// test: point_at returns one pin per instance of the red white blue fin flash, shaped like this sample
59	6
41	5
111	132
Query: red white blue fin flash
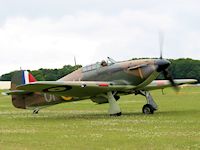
27	77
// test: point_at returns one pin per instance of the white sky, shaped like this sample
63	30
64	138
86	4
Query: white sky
48	34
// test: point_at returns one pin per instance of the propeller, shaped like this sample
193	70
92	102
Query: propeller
166	73
161	42
169	77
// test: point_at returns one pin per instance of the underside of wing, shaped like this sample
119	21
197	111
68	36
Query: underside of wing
161	84
73	88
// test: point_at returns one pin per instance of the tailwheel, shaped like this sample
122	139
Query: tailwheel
36	111
148	109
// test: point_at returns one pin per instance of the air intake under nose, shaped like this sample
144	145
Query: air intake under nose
162	64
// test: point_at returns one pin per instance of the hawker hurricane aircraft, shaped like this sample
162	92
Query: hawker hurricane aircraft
102	82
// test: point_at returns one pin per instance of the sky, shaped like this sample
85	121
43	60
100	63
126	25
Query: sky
49	34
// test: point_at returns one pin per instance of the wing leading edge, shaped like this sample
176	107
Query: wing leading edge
161	84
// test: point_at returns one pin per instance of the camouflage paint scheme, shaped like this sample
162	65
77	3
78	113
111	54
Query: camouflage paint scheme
93	82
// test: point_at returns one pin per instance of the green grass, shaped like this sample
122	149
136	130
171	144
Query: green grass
85	125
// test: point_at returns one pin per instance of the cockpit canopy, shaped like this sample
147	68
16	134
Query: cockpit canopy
97	65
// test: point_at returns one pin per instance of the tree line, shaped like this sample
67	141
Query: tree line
180	68
45	74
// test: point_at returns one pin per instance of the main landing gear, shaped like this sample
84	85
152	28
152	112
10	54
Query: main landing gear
151	106
114	109
148	109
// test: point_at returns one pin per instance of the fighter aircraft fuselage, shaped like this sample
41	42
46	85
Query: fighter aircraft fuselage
133	72
102	82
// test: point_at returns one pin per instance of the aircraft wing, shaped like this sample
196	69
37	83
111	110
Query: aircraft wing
90	88
161	84
73	88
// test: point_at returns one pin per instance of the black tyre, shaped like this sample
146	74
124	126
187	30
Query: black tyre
148	109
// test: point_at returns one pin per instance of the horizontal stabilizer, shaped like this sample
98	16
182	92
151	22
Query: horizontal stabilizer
17	92
4	93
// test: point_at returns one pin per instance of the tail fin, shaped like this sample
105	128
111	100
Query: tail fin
25	99
18	78
21	77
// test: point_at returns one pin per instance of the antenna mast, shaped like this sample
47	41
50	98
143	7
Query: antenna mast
75	60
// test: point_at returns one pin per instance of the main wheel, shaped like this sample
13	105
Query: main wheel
148	109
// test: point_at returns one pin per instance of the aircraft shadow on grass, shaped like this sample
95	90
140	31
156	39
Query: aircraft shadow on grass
99	116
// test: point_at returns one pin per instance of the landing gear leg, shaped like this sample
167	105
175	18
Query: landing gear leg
114	109
151	106
36	110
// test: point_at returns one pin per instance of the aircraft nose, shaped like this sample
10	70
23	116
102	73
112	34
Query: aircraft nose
162	64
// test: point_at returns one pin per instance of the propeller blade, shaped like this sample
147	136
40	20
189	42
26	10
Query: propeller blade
165	72
169	77
161	42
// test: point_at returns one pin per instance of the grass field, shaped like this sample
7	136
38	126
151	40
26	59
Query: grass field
85	125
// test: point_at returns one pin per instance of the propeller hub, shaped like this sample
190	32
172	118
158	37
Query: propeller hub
162	64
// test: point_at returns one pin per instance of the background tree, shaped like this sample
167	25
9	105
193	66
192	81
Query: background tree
180	68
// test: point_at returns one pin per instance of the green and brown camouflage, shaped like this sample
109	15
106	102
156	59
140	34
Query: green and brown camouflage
23	99
95	82
132	72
